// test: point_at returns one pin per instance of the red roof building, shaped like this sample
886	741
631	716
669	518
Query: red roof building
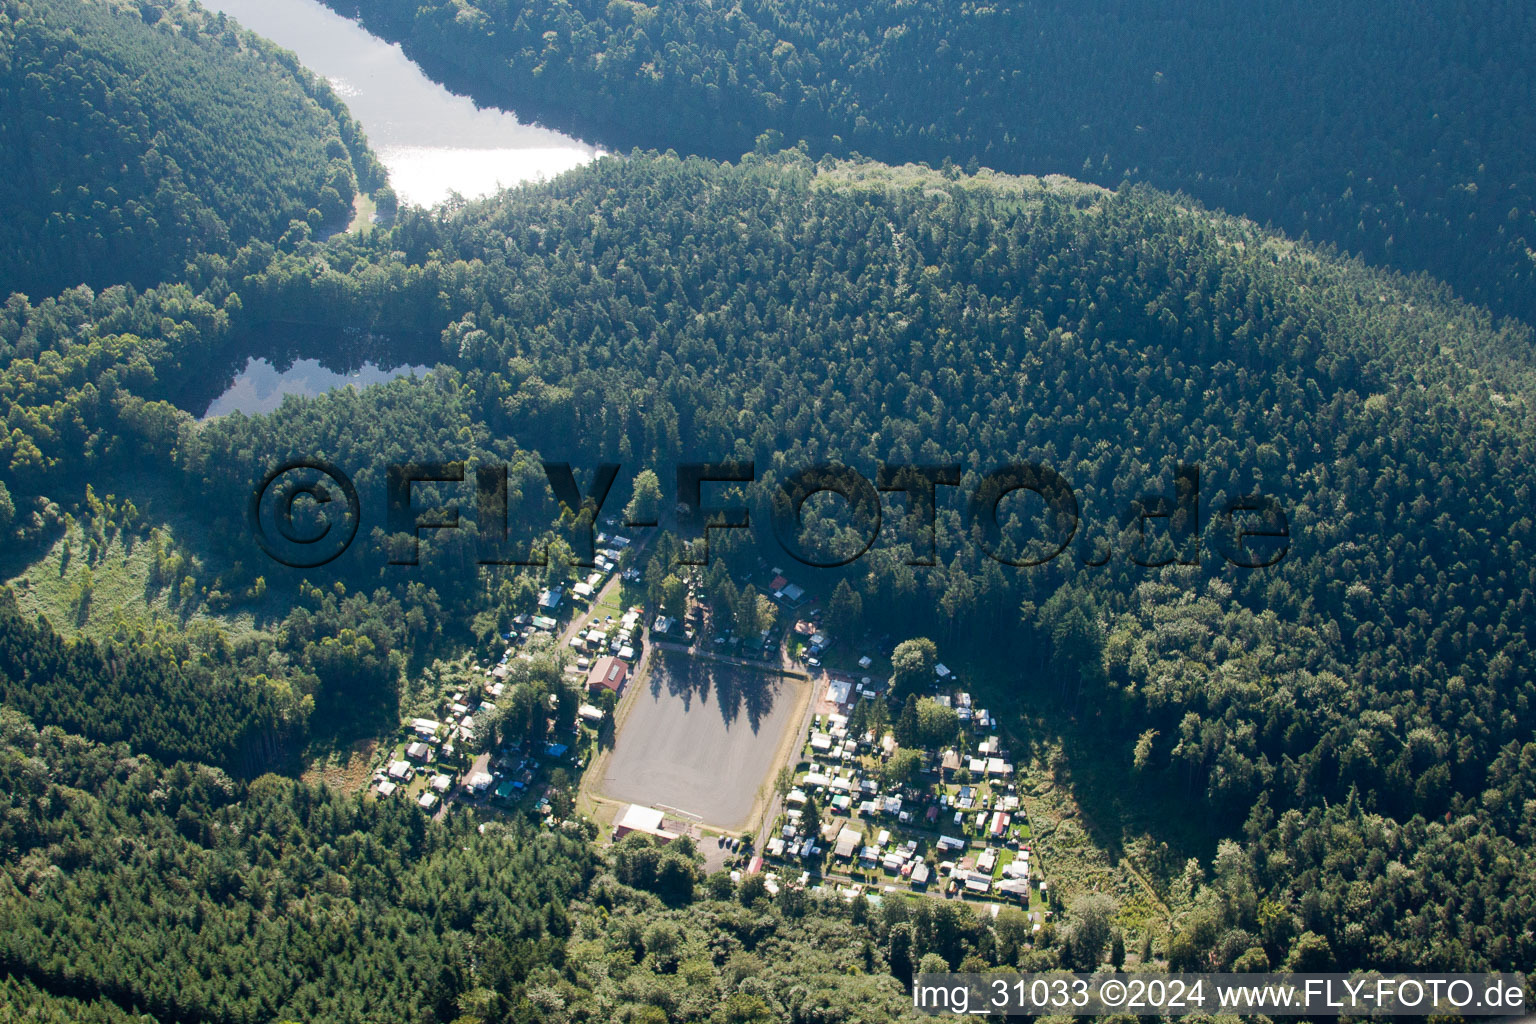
608	673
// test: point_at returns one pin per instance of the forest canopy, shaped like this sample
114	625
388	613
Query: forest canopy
174	890
1360	705
650	310
145	134
1396	131
789	311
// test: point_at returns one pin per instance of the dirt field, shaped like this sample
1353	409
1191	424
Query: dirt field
703	737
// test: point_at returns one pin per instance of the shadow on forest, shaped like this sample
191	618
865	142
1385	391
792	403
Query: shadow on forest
1116	805
737	690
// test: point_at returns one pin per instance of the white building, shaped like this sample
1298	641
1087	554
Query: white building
641	819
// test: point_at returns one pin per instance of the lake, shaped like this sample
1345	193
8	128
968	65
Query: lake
432	141
260	387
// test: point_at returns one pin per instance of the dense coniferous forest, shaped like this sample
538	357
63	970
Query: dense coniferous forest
979	320
22	1000
146	134
213	900
1353	724
148	697
1364	698
176	891
1394	131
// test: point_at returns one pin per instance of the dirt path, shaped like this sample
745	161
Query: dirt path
588	799
789	756
579	621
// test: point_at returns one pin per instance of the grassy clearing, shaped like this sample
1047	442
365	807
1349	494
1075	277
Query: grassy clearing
1075	864
348	771
844	657
363	209
617	600
123	595
113	592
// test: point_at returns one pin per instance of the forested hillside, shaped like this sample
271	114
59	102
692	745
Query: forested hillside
1393	130
1332	759
176	894
144	134
653	309
23	1001
657	309
177	891
169	703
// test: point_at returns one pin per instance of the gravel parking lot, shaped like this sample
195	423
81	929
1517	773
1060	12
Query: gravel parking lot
703	737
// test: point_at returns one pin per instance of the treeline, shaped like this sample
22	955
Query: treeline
653	310
145	134
23	1002
178	892
655	942
1337	887
173	705
96	378
1395	131
86	377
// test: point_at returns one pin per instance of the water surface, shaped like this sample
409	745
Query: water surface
433	142
261	386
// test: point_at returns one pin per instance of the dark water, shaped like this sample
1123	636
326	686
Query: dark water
273	360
